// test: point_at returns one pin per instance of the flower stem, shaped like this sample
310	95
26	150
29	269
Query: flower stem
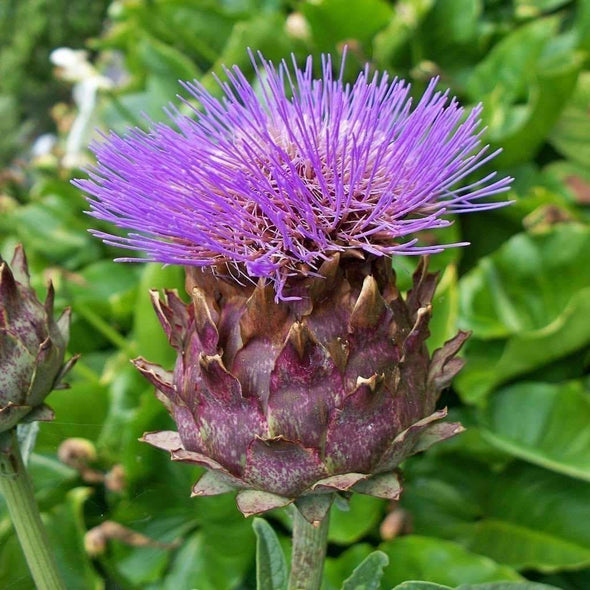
17	489
309	552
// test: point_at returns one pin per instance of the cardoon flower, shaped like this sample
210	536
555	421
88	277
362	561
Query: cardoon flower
301	371
32	346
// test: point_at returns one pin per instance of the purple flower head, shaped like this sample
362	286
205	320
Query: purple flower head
273	179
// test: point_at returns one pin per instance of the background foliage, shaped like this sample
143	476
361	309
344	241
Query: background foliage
508	500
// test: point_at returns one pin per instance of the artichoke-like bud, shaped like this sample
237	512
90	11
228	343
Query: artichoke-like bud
32	346
326	391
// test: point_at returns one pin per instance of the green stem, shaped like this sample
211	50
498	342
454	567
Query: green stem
309	552
17	489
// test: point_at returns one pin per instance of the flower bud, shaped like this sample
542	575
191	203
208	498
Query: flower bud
32	346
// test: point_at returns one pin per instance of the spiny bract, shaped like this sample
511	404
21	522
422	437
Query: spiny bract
293	400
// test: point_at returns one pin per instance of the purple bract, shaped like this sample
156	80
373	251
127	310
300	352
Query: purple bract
276	177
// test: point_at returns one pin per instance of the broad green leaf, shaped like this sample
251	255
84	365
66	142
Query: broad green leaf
527	304
389	43
52	481
522	516
164	527
455	37
571	134
332	21
50	228
456	20
219	553
271	568
165	61
508	68
79	410
527	284
490	586
349	526
134	409
261	33
66	529
109	289
338	569
14	573
443	562
147	331
506	586
367	575
543	423
530	123
574	580
532	8
445	309
525	82
582	25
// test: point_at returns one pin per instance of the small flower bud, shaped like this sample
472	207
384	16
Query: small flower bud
77	453
32	346
297	26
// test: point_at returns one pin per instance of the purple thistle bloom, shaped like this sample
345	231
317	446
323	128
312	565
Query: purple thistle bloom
273	181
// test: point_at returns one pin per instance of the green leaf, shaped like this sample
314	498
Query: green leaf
532	8
490	586
527	304
571	134
109	288
332	21
348	526
66	529
164	61
507	70
148	333
337	569
575	580
543	423
50	228
443	562
523	516
219	554
367	575
262	33
527	283
407	16
79	411
445	309
271	568
527	125
506	586
525	83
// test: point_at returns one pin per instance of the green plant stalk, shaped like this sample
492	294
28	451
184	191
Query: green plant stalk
17	489
309	552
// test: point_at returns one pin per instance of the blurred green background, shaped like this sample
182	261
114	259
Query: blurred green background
508	500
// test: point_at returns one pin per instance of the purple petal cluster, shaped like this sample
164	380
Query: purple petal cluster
276	176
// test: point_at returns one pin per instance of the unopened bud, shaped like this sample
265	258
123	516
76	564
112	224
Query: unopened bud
32	346
77	453
297	26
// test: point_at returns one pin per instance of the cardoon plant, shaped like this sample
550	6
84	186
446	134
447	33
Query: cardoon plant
302	371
